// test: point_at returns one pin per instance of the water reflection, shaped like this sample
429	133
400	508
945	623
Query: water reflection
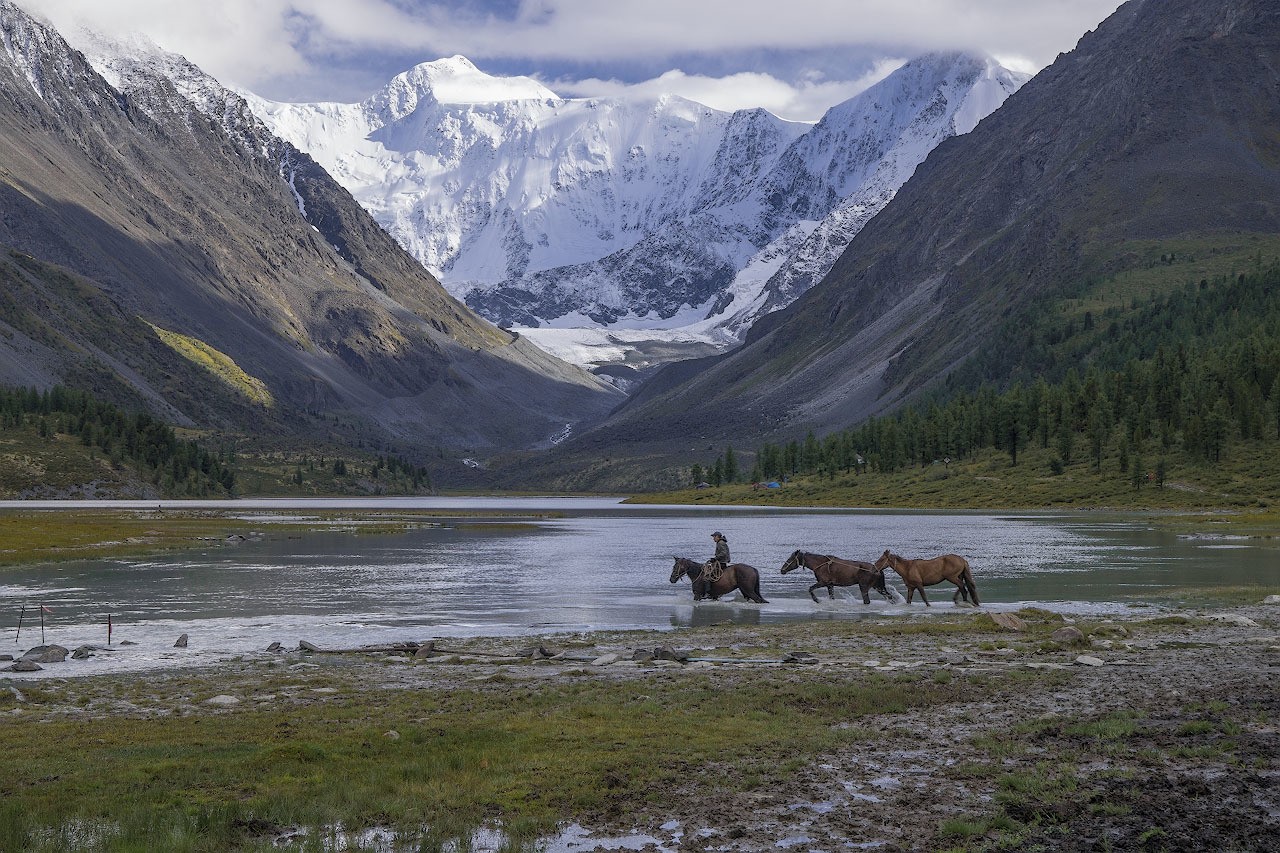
594	565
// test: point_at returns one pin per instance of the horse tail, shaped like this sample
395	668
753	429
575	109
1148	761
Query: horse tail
755	591
967	576
755	588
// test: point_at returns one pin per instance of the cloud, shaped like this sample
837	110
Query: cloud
246	41
255	42
634	29
805	100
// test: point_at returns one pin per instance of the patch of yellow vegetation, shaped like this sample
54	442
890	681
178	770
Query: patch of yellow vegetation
218	363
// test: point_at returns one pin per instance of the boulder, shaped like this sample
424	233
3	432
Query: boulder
425	650
274	647
181	643
23	666
82	653
46	654
392	734
668	653
605	660
1068	634
1271	599
304	646
222	700
1233	619
1009	621
1088	660
642	655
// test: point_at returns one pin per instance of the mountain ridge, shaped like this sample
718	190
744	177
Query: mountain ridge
1154	136
613	213
202	224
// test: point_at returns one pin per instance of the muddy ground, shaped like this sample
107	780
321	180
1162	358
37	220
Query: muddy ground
1144	736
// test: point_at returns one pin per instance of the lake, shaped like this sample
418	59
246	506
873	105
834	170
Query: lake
552	565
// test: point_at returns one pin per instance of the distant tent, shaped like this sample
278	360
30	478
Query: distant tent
773	484
703	486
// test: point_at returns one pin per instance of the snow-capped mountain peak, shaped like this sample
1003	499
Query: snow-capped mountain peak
454	80
629	213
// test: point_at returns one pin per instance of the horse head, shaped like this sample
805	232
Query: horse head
877	583
885	561
793	562
684	566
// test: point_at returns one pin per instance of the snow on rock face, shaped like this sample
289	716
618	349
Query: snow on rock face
534	207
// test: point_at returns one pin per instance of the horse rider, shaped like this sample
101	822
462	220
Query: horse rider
717	564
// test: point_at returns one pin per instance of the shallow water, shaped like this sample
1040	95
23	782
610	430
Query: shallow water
596	564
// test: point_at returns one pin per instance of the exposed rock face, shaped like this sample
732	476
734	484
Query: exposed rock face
159	205
537	208
1159	125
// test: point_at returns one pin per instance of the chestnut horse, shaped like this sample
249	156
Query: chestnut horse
745	578
917	574
832	572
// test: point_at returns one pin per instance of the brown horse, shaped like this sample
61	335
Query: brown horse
917	574
745	578
832	572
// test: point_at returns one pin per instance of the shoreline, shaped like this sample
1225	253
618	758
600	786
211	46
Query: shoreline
904	711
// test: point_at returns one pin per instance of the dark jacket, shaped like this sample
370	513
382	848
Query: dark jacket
722	551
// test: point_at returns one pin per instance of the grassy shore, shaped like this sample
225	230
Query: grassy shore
30	536
942	733
1247	486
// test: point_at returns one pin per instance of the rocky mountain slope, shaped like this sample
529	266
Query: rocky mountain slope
162	247
1154	138
644	214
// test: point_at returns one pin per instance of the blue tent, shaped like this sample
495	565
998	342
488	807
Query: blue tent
773	484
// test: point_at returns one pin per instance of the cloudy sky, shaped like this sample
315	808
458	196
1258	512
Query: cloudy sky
793	57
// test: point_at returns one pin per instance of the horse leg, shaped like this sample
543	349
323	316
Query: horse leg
924	598
811	589
955	599
865	587
831	591
754	593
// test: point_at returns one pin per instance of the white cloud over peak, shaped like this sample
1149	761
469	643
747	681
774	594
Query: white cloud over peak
326	44
805	100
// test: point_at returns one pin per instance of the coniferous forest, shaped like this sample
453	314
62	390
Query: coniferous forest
177	467
1187	373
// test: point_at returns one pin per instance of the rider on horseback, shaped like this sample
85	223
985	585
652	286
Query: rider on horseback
717	564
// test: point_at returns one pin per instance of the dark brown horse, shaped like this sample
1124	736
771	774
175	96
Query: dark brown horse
738	575
832	572
917	574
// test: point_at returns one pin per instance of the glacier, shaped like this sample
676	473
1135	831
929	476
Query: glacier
660	218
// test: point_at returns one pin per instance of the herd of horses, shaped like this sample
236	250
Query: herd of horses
832	572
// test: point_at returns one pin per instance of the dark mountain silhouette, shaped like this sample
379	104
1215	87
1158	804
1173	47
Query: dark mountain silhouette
181	258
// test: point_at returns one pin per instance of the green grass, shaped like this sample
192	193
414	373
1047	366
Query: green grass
1247	483
524	758
217	363
51	536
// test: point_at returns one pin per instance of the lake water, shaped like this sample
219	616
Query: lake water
550	565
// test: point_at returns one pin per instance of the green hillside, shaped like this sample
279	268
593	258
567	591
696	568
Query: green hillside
1169	400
